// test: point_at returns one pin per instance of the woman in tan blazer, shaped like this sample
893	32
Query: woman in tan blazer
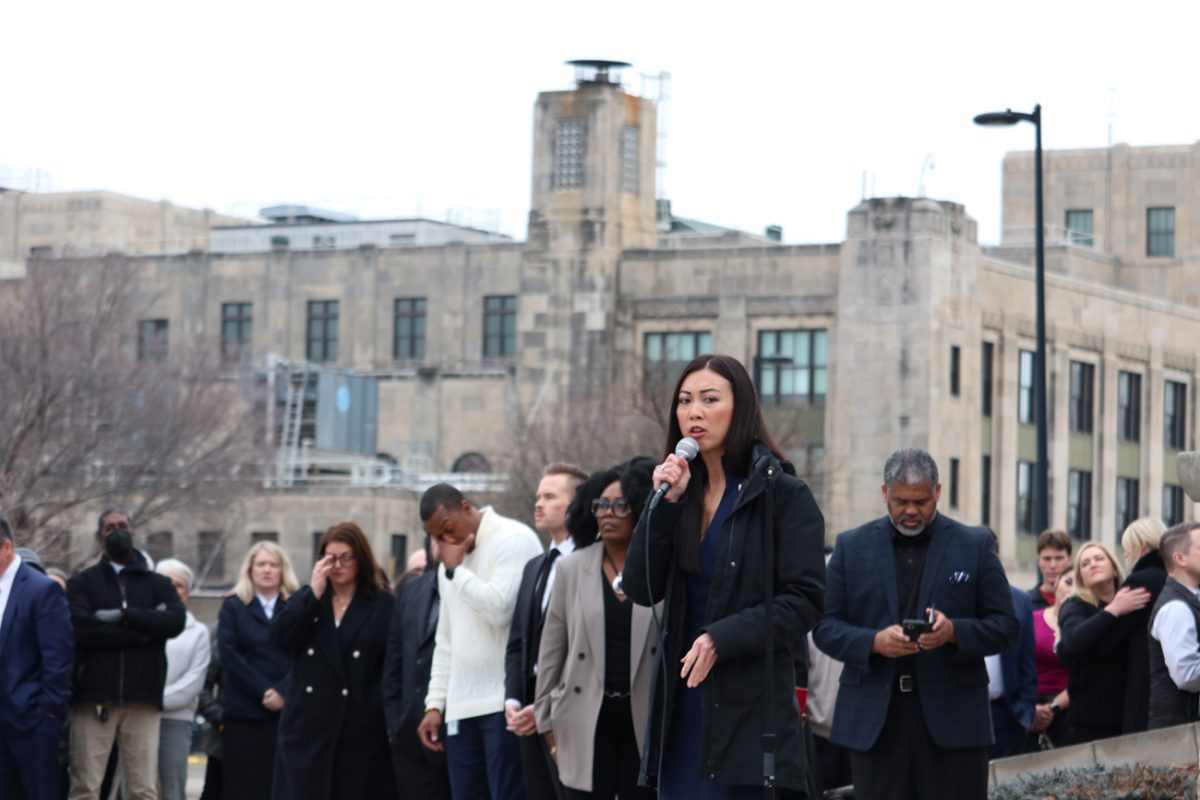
598	649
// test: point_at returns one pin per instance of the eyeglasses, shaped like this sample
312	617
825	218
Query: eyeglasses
344	560
619	508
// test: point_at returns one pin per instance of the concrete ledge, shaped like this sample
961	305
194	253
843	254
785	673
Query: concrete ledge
1164	747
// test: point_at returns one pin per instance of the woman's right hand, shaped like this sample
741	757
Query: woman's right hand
320	576
1127	601
675	471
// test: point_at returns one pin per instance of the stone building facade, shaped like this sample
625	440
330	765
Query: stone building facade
908	333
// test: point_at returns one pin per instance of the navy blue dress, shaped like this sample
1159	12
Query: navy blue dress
681	777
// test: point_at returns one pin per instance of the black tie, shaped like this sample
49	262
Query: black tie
543	580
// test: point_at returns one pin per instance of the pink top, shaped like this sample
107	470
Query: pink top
1052	677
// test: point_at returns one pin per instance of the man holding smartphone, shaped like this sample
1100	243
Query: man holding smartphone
913	603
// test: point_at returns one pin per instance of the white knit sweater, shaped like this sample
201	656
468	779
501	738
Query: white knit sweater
467	676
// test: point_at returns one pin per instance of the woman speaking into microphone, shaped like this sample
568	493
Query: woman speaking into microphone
735	549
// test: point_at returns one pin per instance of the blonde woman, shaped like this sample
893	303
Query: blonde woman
256	670
1095	627
1140	545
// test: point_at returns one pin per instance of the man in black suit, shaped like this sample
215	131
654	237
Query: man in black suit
420	772
554	495
915	714
38	648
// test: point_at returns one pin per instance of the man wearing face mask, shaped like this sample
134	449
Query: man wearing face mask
912	703
123	614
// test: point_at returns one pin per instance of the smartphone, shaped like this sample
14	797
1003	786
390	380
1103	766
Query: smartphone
913	628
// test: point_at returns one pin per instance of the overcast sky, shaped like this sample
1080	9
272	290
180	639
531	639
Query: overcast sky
378	109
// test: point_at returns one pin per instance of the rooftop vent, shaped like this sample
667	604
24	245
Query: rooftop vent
594	70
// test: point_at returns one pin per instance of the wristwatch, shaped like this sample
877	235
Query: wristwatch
1054	709
450	573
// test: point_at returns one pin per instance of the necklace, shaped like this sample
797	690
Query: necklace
616	581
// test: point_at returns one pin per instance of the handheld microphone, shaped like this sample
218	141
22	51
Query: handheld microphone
687	450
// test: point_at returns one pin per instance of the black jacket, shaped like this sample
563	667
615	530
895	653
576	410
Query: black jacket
735	705
524	637
251	661
332	736
122	662
1093	646
409	654
1148	573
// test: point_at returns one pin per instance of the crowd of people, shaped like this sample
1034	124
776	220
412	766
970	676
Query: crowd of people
686	634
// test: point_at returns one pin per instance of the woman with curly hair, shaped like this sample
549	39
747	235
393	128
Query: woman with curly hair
598	649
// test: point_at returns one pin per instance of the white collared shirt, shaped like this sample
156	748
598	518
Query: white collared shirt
268	605
564	548
6	584
1175	629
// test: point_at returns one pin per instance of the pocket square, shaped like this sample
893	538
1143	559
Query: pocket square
960	577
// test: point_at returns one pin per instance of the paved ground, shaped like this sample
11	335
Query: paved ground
196	765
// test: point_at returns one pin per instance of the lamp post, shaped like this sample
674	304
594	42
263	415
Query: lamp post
1041	489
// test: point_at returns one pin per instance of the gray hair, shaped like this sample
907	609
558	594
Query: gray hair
910	466
176	567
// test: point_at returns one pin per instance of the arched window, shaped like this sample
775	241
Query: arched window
471	462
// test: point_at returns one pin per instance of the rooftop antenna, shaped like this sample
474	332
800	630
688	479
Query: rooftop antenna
1112	109
926	165
658	87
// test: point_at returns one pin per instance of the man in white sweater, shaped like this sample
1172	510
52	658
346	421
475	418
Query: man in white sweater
483	554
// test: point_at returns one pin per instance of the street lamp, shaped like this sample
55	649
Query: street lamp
1041	489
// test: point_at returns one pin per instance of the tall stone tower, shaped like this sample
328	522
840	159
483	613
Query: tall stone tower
593	196
906	312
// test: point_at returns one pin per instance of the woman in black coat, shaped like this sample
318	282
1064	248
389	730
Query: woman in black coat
332	737
1095	626
255	672
705	550
1139	544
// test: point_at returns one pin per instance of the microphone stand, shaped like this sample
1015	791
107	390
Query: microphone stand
769	739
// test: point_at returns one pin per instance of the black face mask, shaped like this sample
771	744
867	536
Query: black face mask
119	545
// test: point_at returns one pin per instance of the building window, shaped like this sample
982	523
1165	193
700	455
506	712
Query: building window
236	324
792	368
409	331
1083	388
279	243
985	375
1172	504
1129	407
985	493
666	354
210	555
320	242
629	159
316	544
1079	227
1025	387
569	148
1160	232
500	326
955	366
1025	496
160	545
399	553
322	330
1127	503
472	462
1175	416
264	536
152	340
1079	504
954	483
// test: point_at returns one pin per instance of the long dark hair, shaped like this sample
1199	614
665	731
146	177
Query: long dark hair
637	482
746	429
368	569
